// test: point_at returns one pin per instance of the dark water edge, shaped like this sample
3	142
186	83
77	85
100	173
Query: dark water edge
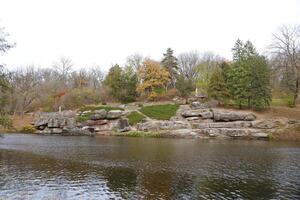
54	167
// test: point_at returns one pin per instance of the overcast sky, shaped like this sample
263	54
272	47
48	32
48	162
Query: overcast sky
96	32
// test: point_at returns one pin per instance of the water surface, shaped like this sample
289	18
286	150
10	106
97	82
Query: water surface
55	167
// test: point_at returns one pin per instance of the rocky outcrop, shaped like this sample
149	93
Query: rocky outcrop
122	125
62	123
228	116
202	113
114	114
99	114
162	125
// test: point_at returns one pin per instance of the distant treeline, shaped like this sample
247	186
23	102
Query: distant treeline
248	80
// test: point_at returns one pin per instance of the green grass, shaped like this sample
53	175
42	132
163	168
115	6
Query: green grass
160	112
135	117
278	102
138	134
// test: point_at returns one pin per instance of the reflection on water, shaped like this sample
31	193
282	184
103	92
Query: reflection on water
40	167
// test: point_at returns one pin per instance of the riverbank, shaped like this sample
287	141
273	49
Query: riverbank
197	120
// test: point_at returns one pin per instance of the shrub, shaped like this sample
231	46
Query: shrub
28	129
160	112
140	105
138	134
6	121
135	117
289	101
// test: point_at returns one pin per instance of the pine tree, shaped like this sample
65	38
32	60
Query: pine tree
184	86
248	78
169	62
217	87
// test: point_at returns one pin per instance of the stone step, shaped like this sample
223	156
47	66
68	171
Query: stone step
232	132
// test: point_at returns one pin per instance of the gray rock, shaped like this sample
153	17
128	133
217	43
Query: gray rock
122	125
233	132
267	124
192	118
250	117
203	113
162	125
227	116
182	133
114	114
56	131
101	113
148	126
95	122
198	105
237	124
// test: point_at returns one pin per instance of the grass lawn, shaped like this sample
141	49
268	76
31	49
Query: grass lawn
160	112
135	117
278	102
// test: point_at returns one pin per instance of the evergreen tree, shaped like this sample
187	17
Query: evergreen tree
248	78
184	86
122	83
114	81
169	62
217	87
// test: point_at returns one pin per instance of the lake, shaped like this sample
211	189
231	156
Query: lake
56	167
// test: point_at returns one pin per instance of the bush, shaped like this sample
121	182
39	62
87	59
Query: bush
167	96
289	101
6	121
135	117
28	129
160	112
138	134
140	105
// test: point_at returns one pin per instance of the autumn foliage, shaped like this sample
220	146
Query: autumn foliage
153	79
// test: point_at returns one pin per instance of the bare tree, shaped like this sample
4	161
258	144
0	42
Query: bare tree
96	77
135	61
286	46
63	69
4	44
25	82
187	63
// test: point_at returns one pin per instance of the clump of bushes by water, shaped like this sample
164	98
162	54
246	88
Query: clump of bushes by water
160	112
28	129
138	134
134	118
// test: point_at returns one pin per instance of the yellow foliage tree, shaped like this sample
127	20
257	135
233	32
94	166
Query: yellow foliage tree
152	78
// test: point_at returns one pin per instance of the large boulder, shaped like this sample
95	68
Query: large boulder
99	114
114	114
54	120
237	124
122	125
198	105
162	125
233	132
95	122
203	113
227	116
